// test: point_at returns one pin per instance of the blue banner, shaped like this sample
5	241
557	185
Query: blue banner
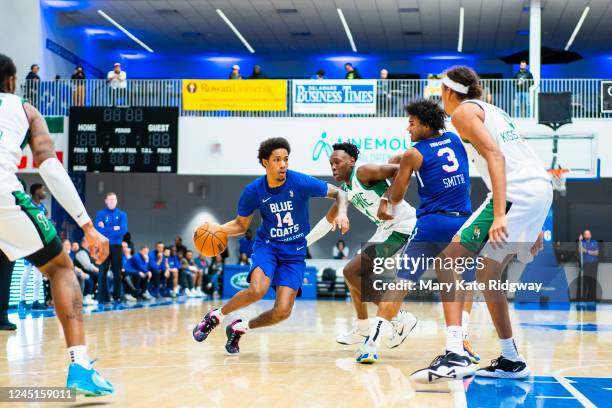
235	279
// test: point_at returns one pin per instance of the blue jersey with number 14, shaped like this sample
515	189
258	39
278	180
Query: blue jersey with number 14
444	176
284	209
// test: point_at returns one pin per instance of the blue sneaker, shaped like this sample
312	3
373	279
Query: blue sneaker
367	354
87	381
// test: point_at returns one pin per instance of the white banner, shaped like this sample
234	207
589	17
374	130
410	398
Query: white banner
219	146
334	96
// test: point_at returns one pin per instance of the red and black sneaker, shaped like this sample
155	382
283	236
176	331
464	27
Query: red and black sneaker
233	338
203	329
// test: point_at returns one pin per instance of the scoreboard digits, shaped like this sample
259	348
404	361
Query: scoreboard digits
135	139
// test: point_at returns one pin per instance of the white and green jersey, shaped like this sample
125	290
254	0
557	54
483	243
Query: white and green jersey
14	128
523	166
366	199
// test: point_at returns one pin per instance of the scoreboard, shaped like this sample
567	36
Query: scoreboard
127	139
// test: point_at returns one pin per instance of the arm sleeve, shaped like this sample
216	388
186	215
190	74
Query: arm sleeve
312	187
319	231
248	202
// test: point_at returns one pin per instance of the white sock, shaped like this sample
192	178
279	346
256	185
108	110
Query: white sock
78	354
24	281
37	284
508	349
454	339
218	314
363	325
465	322
377	331
242	326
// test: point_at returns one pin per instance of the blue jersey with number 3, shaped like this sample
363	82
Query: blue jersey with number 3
284	209
444	178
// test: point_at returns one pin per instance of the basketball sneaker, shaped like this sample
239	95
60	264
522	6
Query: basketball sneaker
367	353
87	381
233	338
502	367
203	329
403	324
445	367
353	336
467	346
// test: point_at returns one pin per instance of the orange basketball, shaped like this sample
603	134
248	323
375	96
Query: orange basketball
210	239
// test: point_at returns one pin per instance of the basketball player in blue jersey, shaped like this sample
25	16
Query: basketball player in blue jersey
279	251
442	173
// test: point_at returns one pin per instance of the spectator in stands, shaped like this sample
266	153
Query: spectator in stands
384	93
32	84
319	75
235	74
156	266
588	250
127	238
78	85
244	259
245	244
340	250
191	276
138	267
117	80
113	224
258	73
214	275
171	273
180	248
131	278
351	72
82	277
524	80
84	261
202	262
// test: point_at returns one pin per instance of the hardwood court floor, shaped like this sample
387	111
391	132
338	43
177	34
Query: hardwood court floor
150	356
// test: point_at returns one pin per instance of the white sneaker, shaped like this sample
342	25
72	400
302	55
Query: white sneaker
353	336
216	296
147	295
87	301
130	298
199	292
403	324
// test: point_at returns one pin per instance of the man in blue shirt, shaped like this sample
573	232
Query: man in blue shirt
137	269
245	245
279	252
113	224
589	254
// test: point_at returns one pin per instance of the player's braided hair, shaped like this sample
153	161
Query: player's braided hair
468	77
428	112
349	148
7	69
268	146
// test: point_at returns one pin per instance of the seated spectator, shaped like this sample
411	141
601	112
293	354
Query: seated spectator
84	261
351	72
340	251
258	73
171	273
178	243
130	281
81	276
235	74
127	238
136	269
156	267
244	259
203	263
245	244
191	276
319	75
214	274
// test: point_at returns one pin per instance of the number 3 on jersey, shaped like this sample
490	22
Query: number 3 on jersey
452	159
287	219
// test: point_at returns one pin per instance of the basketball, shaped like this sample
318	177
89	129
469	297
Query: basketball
210	239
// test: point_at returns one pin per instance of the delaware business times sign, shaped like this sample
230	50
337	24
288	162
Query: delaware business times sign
334	96
229	146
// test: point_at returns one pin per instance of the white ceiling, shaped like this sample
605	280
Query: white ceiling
378	26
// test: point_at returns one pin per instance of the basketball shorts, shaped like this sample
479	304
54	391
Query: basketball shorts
431	234
282	268
25	231
525	221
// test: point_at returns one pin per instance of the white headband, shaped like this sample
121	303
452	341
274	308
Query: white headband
455	86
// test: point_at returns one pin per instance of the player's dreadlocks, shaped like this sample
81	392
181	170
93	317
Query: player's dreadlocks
349	148
268	146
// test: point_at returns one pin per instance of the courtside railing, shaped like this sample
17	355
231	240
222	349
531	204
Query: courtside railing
517	99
